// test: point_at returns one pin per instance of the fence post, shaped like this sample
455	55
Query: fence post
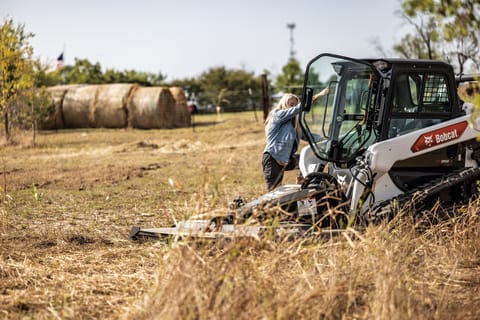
265	96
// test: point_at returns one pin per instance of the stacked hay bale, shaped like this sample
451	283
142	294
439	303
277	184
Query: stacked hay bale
151	108
115	106
76	106
109	109
182	115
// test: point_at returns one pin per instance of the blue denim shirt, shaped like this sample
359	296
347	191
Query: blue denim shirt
281	135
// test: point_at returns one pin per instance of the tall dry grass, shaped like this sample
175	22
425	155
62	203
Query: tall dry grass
399	270
69	202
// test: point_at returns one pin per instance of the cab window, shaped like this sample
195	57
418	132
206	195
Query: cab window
419	100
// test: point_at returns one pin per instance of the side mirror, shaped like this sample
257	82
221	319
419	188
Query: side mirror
307	99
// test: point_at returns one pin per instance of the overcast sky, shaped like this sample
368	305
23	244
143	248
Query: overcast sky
183	38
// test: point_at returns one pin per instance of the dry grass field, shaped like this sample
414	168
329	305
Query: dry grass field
68	204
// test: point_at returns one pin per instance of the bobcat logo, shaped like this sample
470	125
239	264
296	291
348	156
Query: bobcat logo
341	180
439	136
428	140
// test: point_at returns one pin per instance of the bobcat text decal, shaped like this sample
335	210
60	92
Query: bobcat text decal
439	136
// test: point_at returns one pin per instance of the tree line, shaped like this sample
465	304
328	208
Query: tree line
232	89
442	30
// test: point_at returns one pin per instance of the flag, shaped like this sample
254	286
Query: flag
59	63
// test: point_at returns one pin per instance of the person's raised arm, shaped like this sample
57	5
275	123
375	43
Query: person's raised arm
287	114
322	93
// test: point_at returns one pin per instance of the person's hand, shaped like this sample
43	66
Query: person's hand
322	93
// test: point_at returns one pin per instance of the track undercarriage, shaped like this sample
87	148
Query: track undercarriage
450	191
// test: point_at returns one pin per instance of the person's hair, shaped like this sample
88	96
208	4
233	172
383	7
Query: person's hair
282	104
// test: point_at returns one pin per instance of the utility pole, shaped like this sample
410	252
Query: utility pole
291	26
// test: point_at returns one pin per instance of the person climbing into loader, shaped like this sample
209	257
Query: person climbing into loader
283	133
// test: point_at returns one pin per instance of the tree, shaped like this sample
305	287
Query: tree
16	67
236	88
44	77
83	71
291	79
423	44
451	25
132	76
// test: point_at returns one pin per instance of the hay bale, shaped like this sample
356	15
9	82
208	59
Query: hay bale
109	109
182	115
151	108
76	106
54	101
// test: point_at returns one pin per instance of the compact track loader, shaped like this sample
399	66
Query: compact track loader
388	132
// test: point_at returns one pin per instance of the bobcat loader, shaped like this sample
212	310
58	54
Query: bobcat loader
388	132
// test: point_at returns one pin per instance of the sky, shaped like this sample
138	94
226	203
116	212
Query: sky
184	38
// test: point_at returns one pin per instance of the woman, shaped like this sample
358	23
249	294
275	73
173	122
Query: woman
283	133
281	139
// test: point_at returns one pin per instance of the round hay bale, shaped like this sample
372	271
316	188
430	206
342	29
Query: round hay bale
57	94
109	109
151	108
77	104
182	115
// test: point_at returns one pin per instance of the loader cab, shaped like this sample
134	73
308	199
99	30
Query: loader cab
421	94
339	126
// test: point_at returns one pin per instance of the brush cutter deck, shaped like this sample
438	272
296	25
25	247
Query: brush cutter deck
288	211
190	229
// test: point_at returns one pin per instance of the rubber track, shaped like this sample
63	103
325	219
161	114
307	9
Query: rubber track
423	194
